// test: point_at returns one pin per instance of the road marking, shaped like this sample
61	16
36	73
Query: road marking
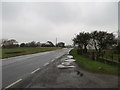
13	83
46	64
35	70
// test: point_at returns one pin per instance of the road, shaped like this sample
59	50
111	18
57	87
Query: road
53	77
17	68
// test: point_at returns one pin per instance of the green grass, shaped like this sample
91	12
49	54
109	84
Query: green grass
6	53
109	57
108	54
0	53
93	66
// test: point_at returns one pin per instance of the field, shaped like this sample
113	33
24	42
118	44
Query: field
6	53
94	66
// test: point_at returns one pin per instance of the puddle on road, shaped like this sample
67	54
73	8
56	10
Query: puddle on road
70	60
70	57
65	67
66	63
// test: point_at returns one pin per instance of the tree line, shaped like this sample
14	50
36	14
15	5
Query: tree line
98	40
12	43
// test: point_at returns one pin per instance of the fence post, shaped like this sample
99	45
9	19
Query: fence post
119	59
112	58
93	56
97	56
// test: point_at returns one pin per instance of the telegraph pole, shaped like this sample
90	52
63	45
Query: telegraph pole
118	37
56	41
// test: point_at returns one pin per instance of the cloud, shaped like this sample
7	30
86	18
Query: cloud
42	21
0	20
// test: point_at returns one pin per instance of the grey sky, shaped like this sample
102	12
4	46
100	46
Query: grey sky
43	21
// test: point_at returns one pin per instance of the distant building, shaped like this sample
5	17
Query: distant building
47	44
50	44
61	44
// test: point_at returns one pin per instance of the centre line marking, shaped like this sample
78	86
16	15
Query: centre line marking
46	64
35	70
13	83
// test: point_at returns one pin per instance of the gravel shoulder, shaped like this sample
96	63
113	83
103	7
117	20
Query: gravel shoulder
52	77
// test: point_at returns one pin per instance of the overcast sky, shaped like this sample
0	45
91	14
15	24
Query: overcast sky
43	21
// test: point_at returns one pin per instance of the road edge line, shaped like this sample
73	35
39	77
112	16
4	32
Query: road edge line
13	83
35	70
46	64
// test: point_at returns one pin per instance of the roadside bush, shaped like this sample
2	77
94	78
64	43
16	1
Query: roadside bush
80	51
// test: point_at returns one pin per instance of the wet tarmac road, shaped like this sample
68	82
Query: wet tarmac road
52	77
17	68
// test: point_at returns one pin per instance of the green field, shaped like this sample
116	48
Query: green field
6	53
94	66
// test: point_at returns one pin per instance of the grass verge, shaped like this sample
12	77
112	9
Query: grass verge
94	66
109	57
12	52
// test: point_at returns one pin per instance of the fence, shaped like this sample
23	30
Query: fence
107	57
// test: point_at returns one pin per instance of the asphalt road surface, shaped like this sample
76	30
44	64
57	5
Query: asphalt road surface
16	68
53	77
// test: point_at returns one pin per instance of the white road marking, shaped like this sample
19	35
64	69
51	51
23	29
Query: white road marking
35	70
46	64
13	83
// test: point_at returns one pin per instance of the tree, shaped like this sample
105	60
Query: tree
118	43
43	45
102	40
32	44
22	45
12	41
61	44
77	41
38	44
9	43
118	47
82	40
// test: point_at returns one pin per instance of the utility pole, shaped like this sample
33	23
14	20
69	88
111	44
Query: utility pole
56	41
118	37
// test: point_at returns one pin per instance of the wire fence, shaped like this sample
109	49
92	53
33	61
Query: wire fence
107	56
